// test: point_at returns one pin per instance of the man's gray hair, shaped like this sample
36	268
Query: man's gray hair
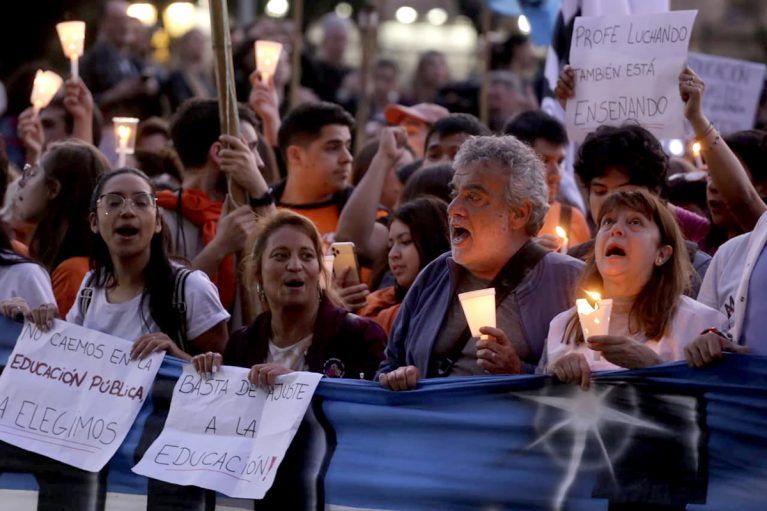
525	171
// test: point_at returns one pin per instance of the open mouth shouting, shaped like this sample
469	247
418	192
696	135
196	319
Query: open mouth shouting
458	235
294	283
127	232
614	250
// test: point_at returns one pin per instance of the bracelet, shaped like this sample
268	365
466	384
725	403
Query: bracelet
708	130
258	202
714	330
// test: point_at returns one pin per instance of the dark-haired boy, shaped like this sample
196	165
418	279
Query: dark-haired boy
315	141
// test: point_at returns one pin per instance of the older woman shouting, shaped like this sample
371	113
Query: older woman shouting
302	329
639	262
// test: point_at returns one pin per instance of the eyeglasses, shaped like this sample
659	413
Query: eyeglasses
114	203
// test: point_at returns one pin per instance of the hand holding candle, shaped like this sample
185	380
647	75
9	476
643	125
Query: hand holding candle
46	84
594	320
125	136
563	236
479	308
267	58
72	36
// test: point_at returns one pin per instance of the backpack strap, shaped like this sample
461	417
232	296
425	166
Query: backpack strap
85	296
179	305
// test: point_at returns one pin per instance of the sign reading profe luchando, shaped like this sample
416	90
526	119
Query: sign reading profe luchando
626	69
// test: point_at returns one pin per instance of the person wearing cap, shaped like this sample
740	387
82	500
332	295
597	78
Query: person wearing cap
416	121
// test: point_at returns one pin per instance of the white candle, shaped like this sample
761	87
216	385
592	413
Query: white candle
479	308
267	58
563	235
594	320
696	155
72	37
125	136
46	85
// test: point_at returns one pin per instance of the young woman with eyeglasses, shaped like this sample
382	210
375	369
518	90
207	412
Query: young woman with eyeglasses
53	195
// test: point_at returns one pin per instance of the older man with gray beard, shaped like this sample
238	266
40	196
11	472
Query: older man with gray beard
500	201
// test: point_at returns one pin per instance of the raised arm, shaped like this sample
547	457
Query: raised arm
726	170
357	222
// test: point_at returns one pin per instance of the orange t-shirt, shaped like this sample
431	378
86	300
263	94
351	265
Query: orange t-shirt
579	230
66	279
325	217
382	308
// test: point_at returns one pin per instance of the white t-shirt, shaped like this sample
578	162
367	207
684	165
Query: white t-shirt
203	311
293	357
29	281
690	319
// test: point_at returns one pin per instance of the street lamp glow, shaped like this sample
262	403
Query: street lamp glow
676	147
406	15
523	24
179	18
344	10
144	12
437	16
276	8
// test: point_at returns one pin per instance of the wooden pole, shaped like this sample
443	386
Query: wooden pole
295	61
484	113
227	99
368	23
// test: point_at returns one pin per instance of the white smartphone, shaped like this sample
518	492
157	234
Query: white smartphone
345	257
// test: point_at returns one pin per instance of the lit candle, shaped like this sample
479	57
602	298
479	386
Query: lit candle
46	84
72	36
267	58
479	308
594	320
696	155
563	235
125	135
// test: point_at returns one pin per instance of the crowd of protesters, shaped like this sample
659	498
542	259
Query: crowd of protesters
436	203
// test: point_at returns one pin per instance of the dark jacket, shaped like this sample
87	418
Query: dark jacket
545	291
344	345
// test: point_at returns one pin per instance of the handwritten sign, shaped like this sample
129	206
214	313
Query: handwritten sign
226	434
627	69
733	88
72	393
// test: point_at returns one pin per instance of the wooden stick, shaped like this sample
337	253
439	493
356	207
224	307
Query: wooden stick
484	113
368	23
227	99
295	60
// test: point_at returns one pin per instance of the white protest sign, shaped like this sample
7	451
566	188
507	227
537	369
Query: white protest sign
72	393
627	69
733	88
226	434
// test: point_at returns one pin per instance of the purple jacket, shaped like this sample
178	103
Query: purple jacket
344	345
542	294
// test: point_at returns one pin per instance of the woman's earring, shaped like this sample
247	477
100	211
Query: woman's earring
659	261
260	293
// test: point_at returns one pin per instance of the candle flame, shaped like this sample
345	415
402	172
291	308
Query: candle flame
561	232
123	133
696	148
594	295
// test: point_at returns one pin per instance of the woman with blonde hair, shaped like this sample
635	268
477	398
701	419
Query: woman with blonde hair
302	328
640	262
